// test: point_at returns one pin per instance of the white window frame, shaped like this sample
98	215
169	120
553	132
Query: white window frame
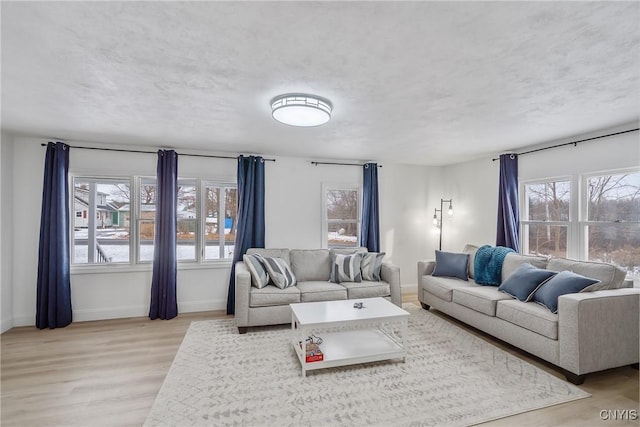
325	221
222	210
583	221
92	216
571	224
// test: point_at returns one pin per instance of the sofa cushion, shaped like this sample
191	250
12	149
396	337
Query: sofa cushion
271	295
310	264
522	283
346	268
279	271
443	286
608	275
367	289
529	315
259	275
514	260
565	282
471	250
479	298
371	266
450	264
272	253
321	291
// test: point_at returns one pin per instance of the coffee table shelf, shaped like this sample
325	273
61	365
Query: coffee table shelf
349	336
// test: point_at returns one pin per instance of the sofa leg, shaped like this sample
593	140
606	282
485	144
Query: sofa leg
573	378
425	306
242	330
636	366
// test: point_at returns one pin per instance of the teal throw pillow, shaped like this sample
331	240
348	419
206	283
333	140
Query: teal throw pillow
450	264
565	282
522	283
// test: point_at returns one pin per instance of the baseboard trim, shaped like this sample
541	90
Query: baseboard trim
86	315
411	288
6	324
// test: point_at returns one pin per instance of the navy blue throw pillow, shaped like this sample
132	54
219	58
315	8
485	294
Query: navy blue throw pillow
524	281
565	282
449	264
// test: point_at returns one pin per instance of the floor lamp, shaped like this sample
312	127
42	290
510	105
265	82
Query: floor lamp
437	221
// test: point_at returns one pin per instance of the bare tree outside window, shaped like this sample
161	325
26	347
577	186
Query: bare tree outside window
342	218
547	217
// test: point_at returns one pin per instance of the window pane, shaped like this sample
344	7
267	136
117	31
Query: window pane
186	227
342	233
342	204
147	232
548	201
230	220
546	239
614	197
104	239
615	243
211	236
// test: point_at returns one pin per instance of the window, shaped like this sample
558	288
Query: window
112	235
604	226
341	225
102	236
221	212
546	218
611	225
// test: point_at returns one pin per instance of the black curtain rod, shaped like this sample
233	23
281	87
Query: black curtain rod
154	152
574	143
338	164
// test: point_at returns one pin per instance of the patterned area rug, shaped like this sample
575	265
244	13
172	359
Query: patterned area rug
450	378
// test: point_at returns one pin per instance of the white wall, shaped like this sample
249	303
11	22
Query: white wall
6	231
293	220
474	185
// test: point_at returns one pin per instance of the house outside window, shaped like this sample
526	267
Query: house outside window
599	222
341	218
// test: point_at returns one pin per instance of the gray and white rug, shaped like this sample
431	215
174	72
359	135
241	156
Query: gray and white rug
450	378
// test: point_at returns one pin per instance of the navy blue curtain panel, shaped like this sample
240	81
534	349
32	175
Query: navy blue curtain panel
370	231
164	303
508	220
53	308
250	231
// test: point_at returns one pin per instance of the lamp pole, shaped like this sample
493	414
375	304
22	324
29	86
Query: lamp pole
439	220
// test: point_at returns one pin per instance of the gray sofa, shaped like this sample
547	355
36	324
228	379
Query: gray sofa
592	331
312	269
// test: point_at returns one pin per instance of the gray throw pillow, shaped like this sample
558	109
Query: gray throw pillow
565	282
450	264
371	266
346	268
279	271
522	283
259	276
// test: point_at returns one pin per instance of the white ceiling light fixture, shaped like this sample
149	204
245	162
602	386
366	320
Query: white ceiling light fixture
299	109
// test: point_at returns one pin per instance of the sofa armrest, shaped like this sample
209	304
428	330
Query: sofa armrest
425	268
391	274
598	330
243	290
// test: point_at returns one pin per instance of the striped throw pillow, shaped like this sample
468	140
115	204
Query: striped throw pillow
279	271
259	277
371	266
346	268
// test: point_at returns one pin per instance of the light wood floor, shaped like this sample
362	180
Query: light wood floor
107	373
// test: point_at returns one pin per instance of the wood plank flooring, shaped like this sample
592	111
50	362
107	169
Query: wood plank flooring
107	373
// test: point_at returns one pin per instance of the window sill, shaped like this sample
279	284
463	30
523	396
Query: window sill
146	267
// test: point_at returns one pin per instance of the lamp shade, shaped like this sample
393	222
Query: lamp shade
301	109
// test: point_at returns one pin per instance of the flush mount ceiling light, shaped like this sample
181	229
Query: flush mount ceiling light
299	109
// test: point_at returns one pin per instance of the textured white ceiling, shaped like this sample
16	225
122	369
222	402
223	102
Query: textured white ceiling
412	82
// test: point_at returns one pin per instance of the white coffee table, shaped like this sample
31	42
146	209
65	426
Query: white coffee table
349	335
